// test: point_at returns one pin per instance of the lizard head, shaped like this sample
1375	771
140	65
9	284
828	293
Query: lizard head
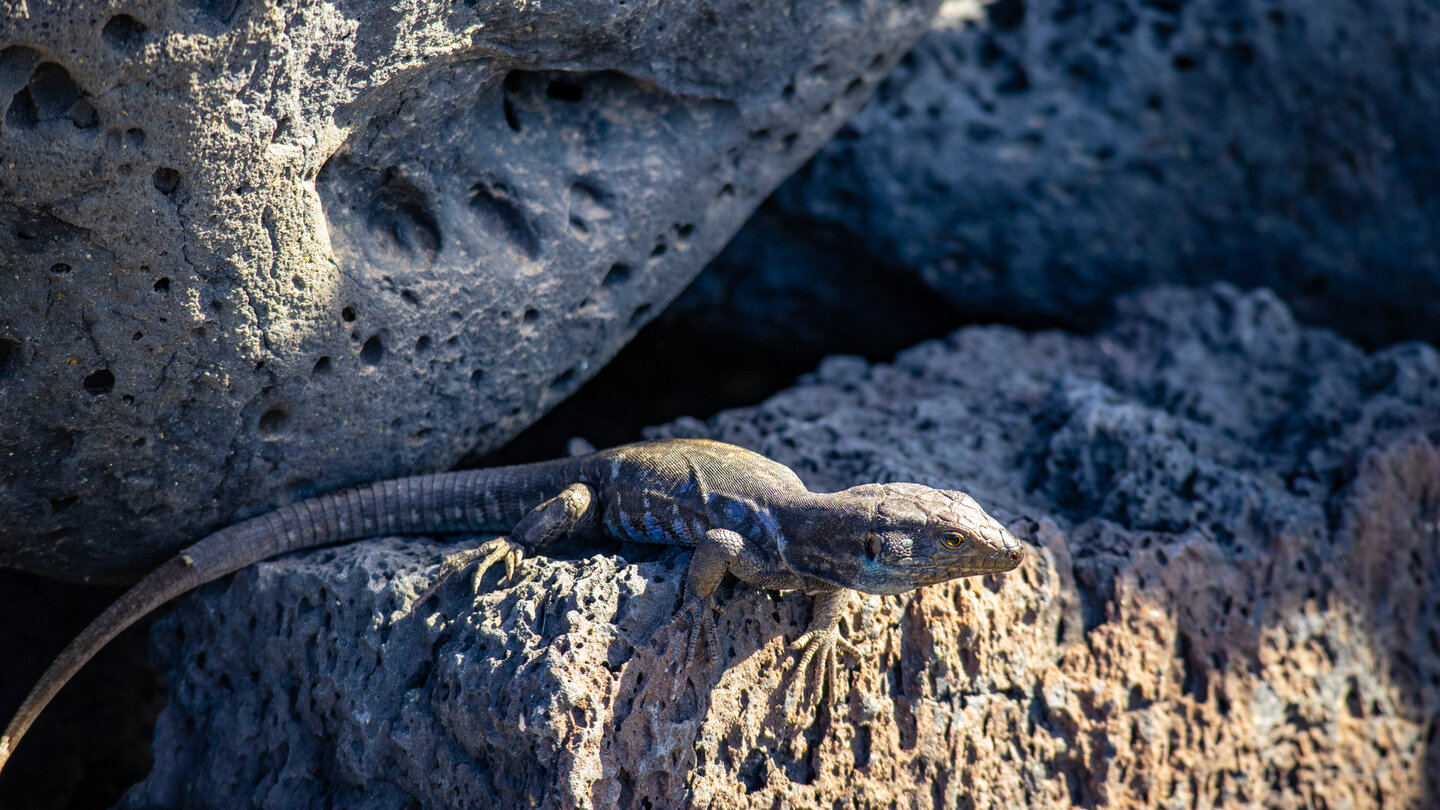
921	536
911	535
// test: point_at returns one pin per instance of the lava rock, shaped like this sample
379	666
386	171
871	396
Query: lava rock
252	253
1031	163
1229	600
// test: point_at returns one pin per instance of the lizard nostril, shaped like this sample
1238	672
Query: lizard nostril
1015	555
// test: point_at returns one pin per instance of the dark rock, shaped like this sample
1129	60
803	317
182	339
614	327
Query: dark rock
1230	601
1032	163
252	254
114	699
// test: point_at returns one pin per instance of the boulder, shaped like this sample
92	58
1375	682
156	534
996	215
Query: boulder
253	252
1033	162
1229	600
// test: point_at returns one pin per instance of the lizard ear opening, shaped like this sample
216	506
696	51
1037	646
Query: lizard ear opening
873	545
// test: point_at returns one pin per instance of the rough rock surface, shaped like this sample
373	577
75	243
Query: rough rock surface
1232	600
1032	163
255	250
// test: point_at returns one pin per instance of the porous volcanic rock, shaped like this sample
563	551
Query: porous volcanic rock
1030	164
252	250
1231	599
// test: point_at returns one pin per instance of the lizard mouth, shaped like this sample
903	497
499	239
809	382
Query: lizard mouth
1002	560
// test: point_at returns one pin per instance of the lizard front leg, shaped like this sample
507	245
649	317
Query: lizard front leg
723	551
822	640
540	525
714	554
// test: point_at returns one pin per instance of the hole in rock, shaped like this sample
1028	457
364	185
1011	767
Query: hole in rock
373	351
50	95
123	32
9	355
99	382
511	119
498	211
23	114
166	180
561	90
618	274
273	421
402	217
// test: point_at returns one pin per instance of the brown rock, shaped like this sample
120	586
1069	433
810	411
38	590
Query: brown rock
1232	602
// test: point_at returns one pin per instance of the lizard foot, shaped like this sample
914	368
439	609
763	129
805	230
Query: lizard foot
702	612
488	553
823	648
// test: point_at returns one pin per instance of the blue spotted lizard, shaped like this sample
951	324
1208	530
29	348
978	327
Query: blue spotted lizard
743	513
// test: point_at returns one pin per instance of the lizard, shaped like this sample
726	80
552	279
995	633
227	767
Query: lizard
741	512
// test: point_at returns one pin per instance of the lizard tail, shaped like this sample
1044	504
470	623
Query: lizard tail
470	500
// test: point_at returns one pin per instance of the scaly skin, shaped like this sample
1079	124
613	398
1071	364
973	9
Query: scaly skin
742	513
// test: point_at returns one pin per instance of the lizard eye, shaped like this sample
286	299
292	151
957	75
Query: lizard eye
953	539
873	544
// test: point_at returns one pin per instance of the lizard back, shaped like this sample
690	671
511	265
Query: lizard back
672	491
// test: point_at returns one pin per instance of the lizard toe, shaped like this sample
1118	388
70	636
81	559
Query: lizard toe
701	610
487	554
821	648
501	548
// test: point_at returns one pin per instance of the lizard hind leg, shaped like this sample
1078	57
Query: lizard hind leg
544	523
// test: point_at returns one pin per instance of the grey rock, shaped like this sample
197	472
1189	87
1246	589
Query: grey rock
1231	597
1031	164
254	252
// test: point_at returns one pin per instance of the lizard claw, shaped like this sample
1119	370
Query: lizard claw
501	548
488	553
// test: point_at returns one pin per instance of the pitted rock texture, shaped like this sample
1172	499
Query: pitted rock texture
1032	163
1231	600
253	251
